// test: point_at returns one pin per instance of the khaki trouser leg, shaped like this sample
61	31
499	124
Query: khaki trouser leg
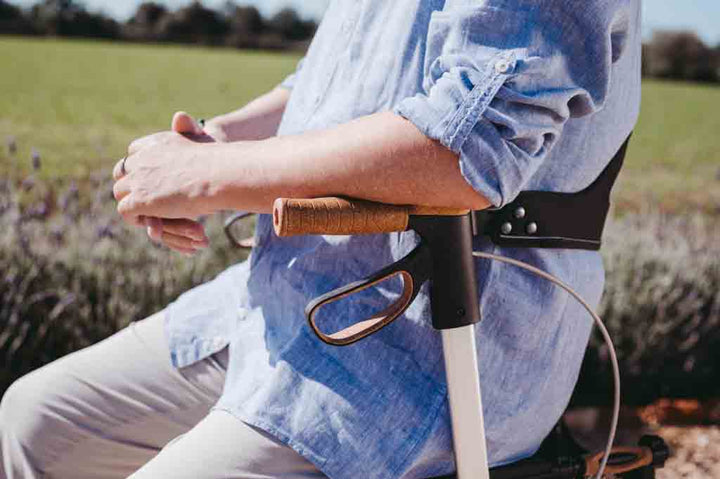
222	446
105	411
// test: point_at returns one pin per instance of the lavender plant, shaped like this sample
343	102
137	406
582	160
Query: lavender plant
662	307
72	274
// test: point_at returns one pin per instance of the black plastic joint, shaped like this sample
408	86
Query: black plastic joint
453	286
659	448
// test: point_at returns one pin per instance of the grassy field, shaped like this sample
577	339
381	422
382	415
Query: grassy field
79	103
674	156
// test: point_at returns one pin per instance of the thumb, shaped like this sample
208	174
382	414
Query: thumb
184	123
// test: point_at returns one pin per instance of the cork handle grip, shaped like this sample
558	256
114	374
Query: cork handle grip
337	216
340	216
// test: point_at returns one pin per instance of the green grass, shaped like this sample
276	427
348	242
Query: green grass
79	103
674	156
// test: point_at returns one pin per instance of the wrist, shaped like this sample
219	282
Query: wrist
231	185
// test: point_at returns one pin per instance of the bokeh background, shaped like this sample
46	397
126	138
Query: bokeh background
80	80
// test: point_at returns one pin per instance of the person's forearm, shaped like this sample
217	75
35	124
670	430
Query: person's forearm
382	157
258	120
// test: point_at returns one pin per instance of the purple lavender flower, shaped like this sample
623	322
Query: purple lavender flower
24	242
28	183
57	235
69	197
104	231
11	145
35	159
40	210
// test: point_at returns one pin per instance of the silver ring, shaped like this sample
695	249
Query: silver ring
123	171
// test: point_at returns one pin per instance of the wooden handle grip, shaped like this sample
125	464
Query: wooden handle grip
336	216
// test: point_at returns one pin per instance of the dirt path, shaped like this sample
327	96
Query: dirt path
695	452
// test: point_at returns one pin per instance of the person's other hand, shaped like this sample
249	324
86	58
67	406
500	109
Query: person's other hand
180	234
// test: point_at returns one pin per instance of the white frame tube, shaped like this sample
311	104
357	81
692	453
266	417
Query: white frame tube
466	413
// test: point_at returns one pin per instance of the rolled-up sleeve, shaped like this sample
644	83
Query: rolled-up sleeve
501	79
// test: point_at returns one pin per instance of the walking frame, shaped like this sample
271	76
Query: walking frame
445	257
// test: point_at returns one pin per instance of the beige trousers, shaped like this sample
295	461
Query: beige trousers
119	409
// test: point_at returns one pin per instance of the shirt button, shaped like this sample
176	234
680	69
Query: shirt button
502	66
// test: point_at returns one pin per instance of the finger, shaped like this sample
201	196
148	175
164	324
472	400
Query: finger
117	170
133	204
121	188
127	207
187	228
184	123
154	228
146	141
180	243
133	220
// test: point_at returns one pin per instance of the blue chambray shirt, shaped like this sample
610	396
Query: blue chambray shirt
530	95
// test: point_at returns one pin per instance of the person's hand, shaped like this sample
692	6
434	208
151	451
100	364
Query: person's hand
215	130
180	234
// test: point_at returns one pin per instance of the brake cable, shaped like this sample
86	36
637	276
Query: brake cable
603	331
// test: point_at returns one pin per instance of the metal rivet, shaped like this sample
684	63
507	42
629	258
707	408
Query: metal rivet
506	228
531	228
461	312
520	212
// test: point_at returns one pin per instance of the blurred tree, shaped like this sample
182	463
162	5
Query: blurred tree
644	60
68	18
52	17
234	25
246	25
12	20
143	25
290	26
193	24
681	55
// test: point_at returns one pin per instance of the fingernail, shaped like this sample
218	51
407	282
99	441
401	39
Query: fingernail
199	244
151	234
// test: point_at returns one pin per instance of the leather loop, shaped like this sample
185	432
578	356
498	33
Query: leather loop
622	459
414	271
246	243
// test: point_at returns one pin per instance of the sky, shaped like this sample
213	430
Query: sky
702	16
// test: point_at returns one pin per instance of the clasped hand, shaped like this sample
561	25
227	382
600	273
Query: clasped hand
164	185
